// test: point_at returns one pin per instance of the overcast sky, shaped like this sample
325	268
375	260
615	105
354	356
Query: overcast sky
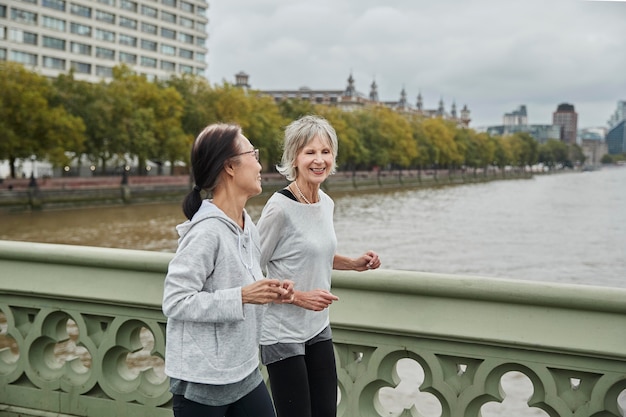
492	55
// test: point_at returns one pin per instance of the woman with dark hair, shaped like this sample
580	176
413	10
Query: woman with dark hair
298	240
215	293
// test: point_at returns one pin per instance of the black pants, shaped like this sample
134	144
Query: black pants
306	386
256	404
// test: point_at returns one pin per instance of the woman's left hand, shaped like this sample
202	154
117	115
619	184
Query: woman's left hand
369	260
289	296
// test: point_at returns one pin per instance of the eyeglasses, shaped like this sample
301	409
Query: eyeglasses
255	151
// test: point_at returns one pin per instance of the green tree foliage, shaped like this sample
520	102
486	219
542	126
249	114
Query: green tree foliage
552	153
29	125
132	119
146	119
445	151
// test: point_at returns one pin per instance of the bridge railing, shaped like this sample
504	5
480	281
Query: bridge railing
82	334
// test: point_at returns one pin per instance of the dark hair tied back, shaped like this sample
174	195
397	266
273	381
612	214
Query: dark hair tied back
211	149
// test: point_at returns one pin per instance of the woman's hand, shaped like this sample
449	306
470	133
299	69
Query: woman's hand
369	260
316	300
265	291
290	294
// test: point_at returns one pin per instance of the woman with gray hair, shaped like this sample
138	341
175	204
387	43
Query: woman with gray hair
298	242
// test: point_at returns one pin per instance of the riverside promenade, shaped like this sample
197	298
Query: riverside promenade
62	192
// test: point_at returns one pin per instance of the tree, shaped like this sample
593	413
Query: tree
28	124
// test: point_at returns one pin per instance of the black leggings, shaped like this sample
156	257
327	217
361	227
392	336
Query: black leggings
256	404
306	386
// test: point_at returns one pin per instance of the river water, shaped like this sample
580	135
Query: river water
568	227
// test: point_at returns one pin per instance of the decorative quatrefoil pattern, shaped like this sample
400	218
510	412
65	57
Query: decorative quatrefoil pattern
99	356
423	383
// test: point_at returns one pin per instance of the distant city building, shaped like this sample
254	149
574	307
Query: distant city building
566	117
594	150
516	118
350	99
156	39
592	133
616	138
541	133
517	122
619	115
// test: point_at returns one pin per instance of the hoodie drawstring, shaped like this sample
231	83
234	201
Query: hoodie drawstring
248	266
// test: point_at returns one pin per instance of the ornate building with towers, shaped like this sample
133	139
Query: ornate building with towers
350	99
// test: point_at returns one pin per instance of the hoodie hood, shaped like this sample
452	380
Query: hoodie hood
209	210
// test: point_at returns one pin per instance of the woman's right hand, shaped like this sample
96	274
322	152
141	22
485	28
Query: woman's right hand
263	291
316	300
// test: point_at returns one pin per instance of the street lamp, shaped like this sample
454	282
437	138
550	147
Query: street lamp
33	181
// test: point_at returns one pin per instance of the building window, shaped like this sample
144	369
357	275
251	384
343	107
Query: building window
81	67
79	10
201	11
167	33
129	5
80	48
148	45
186	23
128	23
3	54
200	27
24	58
171	3
185	53
201	42
105	53
200	71
23	16
3	32
107	2
19	36
148	62
168	17
168	50
186	69
54	43
128	58
148	28
106	17
148	11
54	63
52	23
128	40
3	10
104	72
186	7
200	56
105	35
54	4
184	37
78	29
168	66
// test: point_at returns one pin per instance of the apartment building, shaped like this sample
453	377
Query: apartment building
157	38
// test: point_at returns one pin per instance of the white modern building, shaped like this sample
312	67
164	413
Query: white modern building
157	38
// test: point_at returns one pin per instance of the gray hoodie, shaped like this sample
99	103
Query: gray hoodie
212	337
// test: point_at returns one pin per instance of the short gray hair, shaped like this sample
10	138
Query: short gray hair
297	135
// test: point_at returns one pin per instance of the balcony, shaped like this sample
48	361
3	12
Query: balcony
82	334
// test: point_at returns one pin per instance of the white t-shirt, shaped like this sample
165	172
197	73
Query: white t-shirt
298	242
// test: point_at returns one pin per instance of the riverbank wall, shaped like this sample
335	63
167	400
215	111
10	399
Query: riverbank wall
24	194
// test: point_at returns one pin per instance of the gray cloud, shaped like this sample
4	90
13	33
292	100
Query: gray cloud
492	55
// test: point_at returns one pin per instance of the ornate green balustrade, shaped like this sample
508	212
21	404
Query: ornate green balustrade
82	334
